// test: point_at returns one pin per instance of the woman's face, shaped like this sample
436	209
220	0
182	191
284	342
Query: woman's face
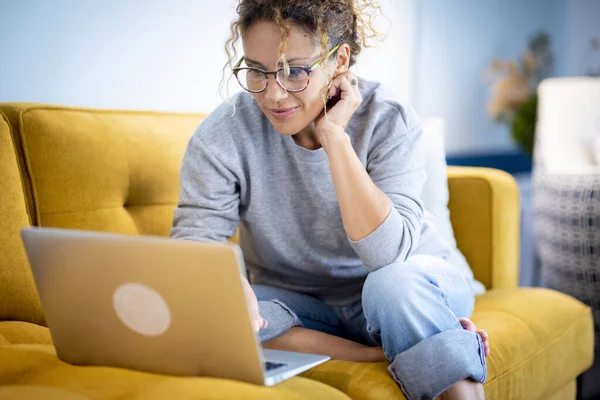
289	112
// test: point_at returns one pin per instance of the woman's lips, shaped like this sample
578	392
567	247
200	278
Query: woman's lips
283	113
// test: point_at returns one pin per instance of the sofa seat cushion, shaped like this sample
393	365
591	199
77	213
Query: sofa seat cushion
13	392
539	338
537	335
18	332
35	372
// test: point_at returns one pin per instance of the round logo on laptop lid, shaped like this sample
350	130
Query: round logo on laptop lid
142	309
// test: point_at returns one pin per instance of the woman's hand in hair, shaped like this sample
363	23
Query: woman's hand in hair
344	101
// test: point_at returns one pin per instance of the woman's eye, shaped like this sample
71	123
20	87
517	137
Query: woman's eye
296	73
254	74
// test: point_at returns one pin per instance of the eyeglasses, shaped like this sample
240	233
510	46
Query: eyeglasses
295	79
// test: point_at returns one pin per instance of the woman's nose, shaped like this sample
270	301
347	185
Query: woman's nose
274	91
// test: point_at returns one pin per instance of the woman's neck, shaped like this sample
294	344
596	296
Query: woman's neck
307	138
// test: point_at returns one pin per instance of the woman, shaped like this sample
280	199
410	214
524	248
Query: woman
323	172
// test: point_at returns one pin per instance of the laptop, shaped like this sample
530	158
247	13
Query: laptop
152	304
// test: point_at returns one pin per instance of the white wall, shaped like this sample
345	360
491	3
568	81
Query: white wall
151	54
457	40
391	62
168	55
583	25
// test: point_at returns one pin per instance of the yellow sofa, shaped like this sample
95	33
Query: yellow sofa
118	171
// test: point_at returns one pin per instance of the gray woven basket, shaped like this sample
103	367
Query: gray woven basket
567	227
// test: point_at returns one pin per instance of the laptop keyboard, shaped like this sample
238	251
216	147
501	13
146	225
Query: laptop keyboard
269	366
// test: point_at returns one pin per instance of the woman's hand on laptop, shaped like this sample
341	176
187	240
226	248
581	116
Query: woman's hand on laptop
258	322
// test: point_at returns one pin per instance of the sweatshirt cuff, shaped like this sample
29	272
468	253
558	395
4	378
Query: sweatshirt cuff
382	246
280	318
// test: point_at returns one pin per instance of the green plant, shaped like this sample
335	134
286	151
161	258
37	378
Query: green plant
513	98
523	124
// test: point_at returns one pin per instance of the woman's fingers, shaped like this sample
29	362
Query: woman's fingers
336	83
258	322
333	90
350	92
345	84
344	100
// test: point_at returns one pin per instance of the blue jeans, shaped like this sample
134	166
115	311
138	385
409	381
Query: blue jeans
411	309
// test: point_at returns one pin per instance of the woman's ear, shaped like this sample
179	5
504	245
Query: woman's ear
342	59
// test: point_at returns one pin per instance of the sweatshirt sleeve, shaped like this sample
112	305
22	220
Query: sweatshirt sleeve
208	208
396	166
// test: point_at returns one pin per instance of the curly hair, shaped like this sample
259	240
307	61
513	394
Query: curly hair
333	22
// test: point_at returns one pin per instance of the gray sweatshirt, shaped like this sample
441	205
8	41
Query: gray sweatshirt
239	171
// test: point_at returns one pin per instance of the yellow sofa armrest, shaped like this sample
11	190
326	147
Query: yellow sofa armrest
485	214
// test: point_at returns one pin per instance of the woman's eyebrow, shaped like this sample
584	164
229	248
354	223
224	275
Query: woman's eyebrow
291	60
250	61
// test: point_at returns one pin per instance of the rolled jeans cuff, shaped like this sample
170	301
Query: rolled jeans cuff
280	318
433	365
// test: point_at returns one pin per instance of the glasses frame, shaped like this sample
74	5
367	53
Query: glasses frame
308	70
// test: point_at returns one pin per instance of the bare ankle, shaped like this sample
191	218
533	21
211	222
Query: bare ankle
376	354
466	389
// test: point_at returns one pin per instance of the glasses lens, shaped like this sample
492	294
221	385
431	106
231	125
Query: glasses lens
251	79
295	80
